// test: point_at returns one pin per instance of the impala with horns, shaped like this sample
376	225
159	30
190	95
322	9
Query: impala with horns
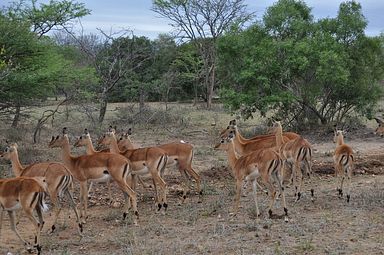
264	163
26	193
57	176
179	154
143	161
94	168
344	162
297	154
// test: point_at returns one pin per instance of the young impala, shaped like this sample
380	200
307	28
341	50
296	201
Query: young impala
26	193
57	176
344	161
96	167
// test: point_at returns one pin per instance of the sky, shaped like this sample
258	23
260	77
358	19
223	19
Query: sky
137	15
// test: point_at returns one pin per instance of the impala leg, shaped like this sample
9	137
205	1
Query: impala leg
163	189
83	201
128	194
239	184
14	229
1	218
272	192
309	173
254	189
282	192
73	205
349	177
340	186
56	210
197	178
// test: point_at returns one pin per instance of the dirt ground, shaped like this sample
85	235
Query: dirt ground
327	226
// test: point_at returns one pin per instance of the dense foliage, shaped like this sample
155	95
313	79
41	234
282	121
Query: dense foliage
288	64
306	71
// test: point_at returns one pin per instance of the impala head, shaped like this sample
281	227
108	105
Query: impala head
106	139
380	129
9	151
338	135
83	140
276	127
60	140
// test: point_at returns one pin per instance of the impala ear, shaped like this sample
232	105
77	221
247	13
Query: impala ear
110	129
53	138
65	131
6	141
129	132
232	122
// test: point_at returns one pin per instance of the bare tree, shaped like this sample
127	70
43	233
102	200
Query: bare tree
202	22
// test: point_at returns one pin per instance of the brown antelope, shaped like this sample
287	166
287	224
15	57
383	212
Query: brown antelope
380	129
243	148
85	140
26	193
179	154
297	154
264	163
142	161
232	124
57	176
96	167
344	161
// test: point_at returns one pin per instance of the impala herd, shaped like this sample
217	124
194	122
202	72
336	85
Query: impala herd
274	159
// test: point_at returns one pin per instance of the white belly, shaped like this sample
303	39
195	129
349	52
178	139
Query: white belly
141	171
15	207
103	178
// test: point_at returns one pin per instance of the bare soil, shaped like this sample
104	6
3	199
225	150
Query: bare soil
328	225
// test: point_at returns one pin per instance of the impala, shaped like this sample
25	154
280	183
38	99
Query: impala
344	161
86	141
94	168
243	148
179	154
262	163
24	193
232	124
142	161
57	176
298	154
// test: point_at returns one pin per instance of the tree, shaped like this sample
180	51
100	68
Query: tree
202	22
309	72
45	17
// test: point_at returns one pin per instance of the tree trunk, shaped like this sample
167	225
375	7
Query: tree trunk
211	85
16	118
103	106
141	100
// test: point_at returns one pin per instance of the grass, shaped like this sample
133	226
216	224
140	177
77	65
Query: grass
207	227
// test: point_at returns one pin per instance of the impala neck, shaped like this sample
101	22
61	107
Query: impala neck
66	154
340	139
232	155
89	148
113	145
241	138
279	136
16	165
126	144
237	144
